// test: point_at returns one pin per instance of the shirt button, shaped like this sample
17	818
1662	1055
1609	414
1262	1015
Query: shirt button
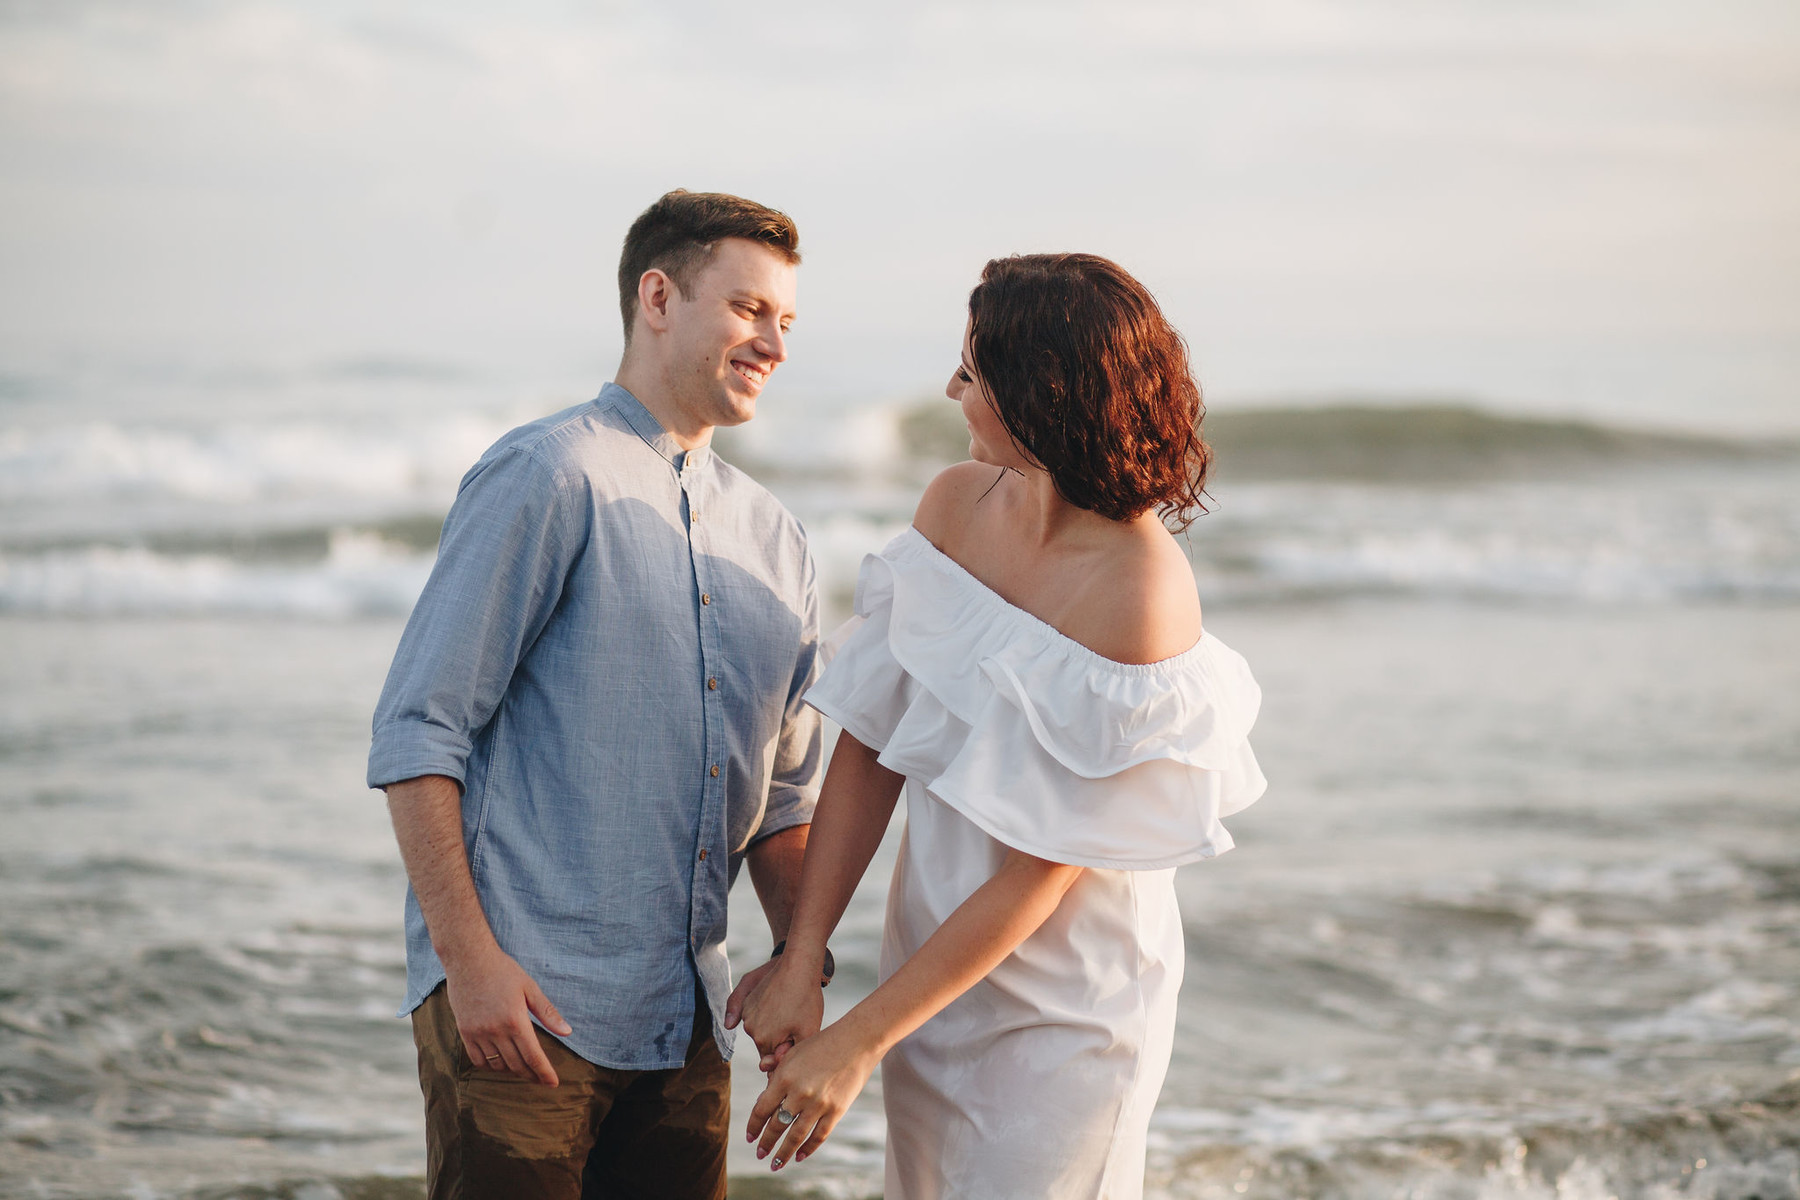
693	516
712	685
703	856
715	770
706	597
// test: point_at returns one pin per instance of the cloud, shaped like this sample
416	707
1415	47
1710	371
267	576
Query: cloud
413	177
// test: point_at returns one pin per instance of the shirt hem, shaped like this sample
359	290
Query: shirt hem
414	998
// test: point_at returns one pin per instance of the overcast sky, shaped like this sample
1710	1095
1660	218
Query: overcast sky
1501	198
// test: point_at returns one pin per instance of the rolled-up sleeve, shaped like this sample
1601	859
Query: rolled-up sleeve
507	547
794	779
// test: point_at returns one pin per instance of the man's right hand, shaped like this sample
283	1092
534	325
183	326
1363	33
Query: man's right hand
494	1000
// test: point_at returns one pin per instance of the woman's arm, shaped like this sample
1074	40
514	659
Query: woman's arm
783	1005
819	1078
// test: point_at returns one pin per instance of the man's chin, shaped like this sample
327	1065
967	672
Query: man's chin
736	410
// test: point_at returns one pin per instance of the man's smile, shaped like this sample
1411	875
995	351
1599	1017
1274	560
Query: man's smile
756	373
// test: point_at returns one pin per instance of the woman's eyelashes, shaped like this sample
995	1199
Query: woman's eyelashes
962	373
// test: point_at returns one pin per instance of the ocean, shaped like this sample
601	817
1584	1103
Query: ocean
1519	915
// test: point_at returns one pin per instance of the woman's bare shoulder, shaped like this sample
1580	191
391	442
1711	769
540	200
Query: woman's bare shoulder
949	500
1143	608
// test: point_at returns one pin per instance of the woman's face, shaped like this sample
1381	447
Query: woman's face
988	440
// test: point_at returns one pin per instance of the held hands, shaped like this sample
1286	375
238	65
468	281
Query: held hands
494	1000
779	1004
808	1093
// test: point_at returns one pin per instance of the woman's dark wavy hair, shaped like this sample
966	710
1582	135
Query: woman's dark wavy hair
1092	383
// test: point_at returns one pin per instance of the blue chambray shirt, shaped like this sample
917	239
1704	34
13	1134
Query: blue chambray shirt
609	656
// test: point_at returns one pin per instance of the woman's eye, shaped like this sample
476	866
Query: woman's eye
962	373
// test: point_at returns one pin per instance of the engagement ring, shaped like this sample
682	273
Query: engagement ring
785	1117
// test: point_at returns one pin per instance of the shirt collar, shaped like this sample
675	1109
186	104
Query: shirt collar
650	429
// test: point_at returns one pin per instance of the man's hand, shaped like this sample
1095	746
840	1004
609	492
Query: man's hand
780	1005
494	1000
740	996
490	994
734	1007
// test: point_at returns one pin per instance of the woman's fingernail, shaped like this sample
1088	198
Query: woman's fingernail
777	1165
761	1153
800	1157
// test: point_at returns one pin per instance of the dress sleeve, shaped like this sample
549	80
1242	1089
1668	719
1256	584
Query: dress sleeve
1045	746
863	688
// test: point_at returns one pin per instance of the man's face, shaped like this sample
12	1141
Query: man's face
727	339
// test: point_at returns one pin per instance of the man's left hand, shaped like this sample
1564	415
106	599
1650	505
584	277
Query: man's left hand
740	995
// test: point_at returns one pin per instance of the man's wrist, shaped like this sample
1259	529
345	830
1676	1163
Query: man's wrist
827	969
466	953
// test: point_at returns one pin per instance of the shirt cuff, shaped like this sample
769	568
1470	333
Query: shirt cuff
788	807
409	749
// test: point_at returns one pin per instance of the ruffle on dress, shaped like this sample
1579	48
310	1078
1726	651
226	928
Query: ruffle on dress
1045	745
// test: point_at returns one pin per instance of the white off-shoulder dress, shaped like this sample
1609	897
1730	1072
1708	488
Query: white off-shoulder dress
1039	1081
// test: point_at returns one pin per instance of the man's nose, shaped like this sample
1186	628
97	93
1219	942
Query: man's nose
773	342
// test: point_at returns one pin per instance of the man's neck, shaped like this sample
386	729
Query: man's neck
650	387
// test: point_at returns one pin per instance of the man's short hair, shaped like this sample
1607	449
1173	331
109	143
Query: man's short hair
676	235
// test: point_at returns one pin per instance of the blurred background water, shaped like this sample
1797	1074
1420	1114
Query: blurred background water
1498	313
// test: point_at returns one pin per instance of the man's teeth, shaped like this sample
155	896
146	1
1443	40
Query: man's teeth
751	373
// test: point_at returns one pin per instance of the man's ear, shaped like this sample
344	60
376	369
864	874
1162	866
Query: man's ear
656	291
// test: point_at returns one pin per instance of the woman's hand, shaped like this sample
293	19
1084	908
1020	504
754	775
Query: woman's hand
780	1008
814	1084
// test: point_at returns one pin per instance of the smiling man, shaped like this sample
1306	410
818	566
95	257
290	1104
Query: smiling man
592	720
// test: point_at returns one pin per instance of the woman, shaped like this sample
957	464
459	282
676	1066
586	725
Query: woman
1031	670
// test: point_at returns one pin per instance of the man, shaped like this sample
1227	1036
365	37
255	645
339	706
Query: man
593	717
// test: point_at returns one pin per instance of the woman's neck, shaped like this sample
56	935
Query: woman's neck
1043	517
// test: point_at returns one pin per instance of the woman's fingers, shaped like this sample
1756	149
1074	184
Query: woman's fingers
813	1121
775	1125
773	1058
797	1134
761	1111
820	1132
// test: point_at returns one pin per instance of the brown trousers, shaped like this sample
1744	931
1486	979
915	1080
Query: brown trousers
600	1134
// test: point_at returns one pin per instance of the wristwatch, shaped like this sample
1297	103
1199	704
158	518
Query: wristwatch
830	963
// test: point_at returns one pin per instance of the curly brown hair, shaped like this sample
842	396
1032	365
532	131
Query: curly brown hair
1092	383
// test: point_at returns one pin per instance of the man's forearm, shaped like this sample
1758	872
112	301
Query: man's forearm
775	863
854	809
427	815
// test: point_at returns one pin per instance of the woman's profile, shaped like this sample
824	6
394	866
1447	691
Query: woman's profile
1031	672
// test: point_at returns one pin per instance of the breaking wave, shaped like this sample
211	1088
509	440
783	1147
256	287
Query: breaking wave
333	519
